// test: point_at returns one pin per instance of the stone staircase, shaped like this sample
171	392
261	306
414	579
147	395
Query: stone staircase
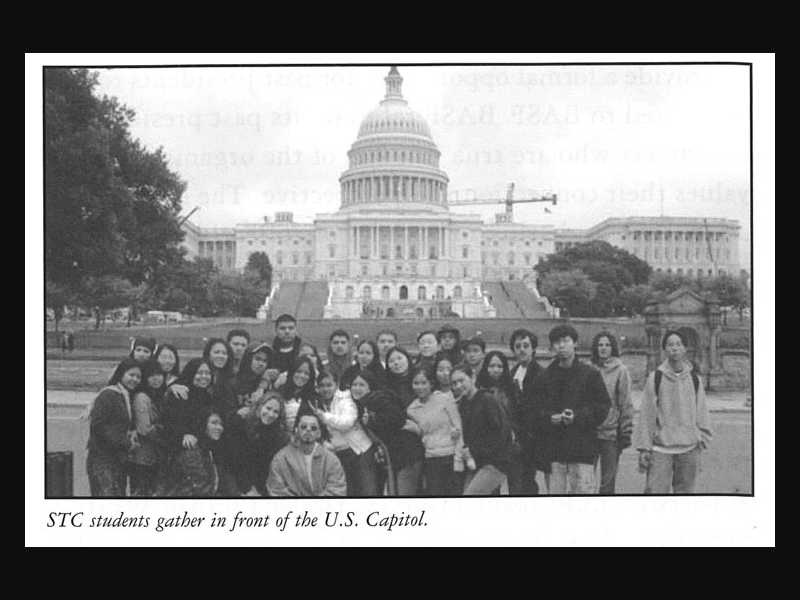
303	299
513	300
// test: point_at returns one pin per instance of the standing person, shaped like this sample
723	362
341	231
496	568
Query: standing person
487	433
142	348
70	340
238	340
474	351
383	415
570	401
167	357
298	389
615	432
311	351
428	346
386	340
220	356
442	367
449	339
523	344
64	343
673	423
200	471
339	354
286	345
111	432
259	434
251	377
353	446
304	467
147	460
183	411
436	415
495	378
367	359
398	375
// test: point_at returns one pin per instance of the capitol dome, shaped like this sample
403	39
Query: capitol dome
394	160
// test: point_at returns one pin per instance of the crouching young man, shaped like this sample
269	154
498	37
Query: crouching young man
569	401
305	467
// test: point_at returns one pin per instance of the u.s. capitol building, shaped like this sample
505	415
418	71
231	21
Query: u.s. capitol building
395	249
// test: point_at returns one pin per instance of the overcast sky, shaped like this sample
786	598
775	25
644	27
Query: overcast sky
611	141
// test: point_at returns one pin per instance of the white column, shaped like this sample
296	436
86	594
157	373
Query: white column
375	253
405	247
391	242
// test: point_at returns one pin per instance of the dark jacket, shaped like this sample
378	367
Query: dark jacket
283	361
184	416
199	472
253	445
387	416
584	392
527	438
487	430
352	372
109	424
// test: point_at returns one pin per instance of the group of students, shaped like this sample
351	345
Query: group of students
276	420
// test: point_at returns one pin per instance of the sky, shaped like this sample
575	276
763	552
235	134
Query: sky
610	141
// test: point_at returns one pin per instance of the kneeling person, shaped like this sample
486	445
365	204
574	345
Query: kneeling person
305	467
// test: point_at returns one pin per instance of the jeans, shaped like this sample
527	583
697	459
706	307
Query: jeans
485	481
361	472
608	461
572	478
678	471
143	480
440	479
106	477
408	479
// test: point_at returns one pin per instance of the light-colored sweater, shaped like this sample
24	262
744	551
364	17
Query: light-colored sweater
288	475
342	422
437	417
620	415
679	421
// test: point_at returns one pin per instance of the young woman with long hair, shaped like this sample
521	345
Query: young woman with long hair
111	432
219	355
183	413
147	460
298	389
398	374
367	359
251	377
167	357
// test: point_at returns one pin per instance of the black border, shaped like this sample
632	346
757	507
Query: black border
418	64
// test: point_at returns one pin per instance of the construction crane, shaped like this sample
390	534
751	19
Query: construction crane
186	218
509	201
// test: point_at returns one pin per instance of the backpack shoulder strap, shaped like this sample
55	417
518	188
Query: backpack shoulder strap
657	382
696	382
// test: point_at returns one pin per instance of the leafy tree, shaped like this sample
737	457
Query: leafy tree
108	292
632	300
572	290
258	264
56	297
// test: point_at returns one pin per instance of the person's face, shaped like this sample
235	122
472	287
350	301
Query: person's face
448	340
495	368
564	348
259	363
301	376
287	331
443	369
428	346
421	386
473	355
523	350
202	378
359	388
675	348
214	427
238	345
365	355
306	350
340	345
166	360
270	411
398	363
218	355
131	378
308	428
326	388
141	354
604	348
385	343
155	381
460	384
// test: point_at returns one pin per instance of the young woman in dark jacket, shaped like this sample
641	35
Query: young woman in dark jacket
251	375
149	457
167	357
219	355
182	417
398	375
367	359
200	471
111	432
487	433
495	378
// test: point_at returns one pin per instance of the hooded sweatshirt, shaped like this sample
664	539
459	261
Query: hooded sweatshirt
620	416
679	421
337	365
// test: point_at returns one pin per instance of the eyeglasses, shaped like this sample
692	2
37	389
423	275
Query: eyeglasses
309	427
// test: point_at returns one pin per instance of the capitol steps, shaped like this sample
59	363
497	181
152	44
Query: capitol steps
513	300
303	299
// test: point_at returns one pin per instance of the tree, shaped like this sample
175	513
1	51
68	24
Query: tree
111	206
56	297
633	299
258	264
572	290
108	292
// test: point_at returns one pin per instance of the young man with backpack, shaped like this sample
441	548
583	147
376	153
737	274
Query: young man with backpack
674	425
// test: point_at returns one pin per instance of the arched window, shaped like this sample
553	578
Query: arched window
348	292
440	292
385	293
457	292
403	292
366	293
421	293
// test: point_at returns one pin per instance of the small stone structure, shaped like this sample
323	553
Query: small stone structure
698	318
